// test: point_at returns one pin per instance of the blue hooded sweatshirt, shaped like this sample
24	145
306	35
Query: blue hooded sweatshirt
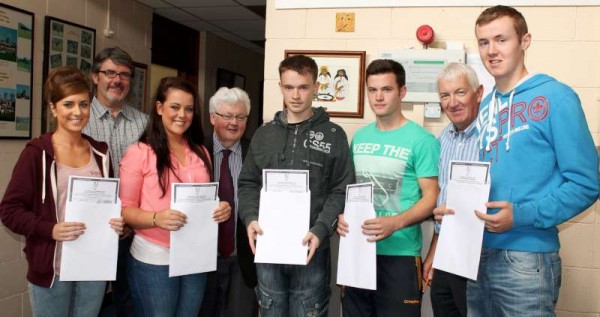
543	160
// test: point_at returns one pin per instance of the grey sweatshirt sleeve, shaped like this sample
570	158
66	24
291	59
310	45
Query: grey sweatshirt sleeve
249	185
342	174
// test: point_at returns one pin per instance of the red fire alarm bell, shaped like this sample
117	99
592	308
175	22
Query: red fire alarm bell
425	34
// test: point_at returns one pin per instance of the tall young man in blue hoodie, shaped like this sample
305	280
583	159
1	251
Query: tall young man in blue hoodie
533	131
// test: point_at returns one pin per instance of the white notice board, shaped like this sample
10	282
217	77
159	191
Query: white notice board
422	67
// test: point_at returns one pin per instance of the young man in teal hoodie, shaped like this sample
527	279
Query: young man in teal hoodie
533	131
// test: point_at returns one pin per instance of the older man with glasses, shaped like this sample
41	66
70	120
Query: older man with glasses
229	290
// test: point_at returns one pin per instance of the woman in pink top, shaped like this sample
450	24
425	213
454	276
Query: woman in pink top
170	150
35	199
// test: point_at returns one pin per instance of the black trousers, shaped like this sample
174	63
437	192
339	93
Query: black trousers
226	294
448	295
398	291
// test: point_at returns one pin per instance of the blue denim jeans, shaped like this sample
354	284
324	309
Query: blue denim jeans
154	293
295	290
514	283
65	299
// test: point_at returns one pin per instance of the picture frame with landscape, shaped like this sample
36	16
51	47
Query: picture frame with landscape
16	72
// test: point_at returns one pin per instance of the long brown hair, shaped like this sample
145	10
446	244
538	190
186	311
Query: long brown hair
156	137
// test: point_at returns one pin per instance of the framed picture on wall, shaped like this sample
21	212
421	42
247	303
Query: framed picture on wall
65	44
16	72
341	81
230	79
138	87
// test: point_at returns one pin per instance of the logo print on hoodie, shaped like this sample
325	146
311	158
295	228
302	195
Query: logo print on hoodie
538	108
315	142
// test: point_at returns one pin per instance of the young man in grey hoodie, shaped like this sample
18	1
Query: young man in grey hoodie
299	137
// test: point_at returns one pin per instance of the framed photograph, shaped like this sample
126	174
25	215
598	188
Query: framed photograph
65	44
341	81
138	86
16	72
230	79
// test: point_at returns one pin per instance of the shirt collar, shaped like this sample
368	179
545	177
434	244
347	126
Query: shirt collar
104	112
218	146
468	132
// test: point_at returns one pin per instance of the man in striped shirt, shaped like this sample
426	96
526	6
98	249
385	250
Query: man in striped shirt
119	125
111	120
460	94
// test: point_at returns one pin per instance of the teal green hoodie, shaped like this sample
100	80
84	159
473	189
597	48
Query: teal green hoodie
543	160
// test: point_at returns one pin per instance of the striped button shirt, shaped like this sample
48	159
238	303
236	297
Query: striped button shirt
119	132
455	145
235	167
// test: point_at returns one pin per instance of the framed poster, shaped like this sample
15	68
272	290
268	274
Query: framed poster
66	44
16	72
340	80
138	86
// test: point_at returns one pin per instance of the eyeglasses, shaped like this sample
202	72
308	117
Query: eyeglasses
229	118
110	74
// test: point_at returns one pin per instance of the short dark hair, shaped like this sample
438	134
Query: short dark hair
115	54
63	82
385	66
496	12
301	64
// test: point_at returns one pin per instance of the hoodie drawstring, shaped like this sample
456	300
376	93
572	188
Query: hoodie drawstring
491	110
491	114
43	176
510	101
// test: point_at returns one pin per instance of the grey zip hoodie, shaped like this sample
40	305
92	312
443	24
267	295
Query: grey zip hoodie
317	145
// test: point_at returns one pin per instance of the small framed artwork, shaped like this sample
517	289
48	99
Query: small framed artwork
230	79
66	44
16	72
341	81
138	86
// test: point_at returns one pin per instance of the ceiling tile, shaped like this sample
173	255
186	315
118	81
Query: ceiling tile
228	19
260	10
243	43
228	36
252	35
224	13
155	3
241	25
202	26
253	2
175	14
201	3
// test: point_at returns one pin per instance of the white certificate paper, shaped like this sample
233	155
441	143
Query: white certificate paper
461	236
288	181
357	259
93	255
194	246
284	217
